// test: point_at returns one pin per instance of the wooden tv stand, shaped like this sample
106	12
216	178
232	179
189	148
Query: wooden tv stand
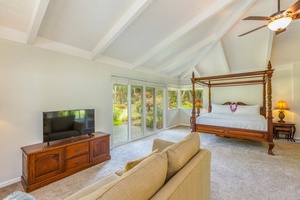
43	164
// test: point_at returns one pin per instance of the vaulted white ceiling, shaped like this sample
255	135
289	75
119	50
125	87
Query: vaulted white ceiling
168	38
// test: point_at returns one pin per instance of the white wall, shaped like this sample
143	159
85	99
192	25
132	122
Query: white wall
296	102
33	80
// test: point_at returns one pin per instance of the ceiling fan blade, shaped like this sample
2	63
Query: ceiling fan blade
277	13
294	8
280	31
257	18
296	16
253	30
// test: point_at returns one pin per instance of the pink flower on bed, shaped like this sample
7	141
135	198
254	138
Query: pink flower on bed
233	107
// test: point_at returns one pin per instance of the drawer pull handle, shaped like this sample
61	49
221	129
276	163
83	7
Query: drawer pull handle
76	163
76	150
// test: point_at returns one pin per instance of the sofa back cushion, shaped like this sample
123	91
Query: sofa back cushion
131	164
139	183
181	152
62	123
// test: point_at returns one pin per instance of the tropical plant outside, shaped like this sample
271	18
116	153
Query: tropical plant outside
120	108
187	98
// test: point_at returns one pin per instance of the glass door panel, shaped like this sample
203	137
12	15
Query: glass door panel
136	112
120	114
150	110
159	102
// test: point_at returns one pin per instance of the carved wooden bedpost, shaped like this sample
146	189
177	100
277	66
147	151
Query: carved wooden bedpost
209	96
193	119
264	97
270	115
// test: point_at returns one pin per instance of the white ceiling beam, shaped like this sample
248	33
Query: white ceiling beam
131	14
12	34
197	73
186	53
36	20
270	38
194	62
223	57
234	18
60	47
209	12
112	61
186	73
223	30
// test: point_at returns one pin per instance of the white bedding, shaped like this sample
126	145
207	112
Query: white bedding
253	122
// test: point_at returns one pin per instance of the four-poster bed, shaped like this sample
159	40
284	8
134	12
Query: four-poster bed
249	78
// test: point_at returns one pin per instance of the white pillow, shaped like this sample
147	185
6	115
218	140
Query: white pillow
220	109
248	110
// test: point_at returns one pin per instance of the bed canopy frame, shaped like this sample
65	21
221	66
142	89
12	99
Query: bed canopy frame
249	78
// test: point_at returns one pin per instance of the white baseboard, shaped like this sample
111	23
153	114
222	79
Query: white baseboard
184	125
9	182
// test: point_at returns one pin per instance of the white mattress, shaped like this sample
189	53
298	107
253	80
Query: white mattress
253	122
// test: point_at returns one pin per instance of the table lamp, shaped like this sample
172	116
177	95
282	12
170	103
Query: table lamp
281	106
198	106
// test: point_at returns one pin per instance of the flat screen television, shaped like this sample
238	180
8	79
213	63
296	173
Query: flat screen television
68	123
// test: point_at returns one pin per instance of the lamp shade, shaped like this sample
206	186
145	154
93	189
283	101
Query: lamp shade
280	23
281	105
198	104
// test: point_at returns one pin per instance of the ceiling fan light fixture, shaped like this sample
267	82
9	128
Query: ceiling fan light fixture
280	23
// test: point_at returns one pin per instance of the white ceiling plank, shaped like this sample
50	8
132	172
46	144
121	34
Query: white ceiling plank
132	13
60	47
36	20
112	61
187	52
209	12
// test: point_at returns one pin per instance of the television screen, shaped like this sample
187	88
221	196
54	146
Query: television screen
67	123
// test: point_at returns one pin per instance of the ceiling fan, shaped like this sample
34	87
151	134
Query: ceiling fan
279	20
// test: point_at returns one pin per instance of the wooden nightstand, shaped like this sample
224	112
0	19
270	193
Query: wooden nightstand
287	128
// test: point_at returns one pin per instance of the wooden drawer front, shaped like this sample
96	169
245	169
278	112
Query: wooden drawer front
77	149
76	161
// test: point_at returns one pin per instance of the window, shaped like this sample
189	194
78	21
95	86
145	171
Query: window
172	98
187	97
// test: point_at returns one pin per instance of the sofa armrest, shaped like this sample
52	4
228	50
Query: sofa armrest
78	126
160	145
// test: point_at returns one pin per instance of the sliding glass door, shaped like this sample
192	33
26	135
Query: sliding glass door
159	102
150	110
120	114
137	111
136	102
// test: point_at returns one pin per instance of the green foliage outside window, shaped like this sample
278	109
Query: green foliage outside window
172	98
187	98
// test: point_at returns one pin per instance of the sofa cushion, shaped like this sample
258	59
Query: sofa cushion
93	187
160	144
133	163
62	123
181	152
140	183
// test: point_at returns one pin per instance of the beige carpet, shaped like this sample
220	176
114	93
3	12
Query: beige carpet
241	169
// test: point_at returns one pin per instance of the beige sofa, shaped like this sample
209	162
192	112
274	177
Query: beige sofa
174	171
